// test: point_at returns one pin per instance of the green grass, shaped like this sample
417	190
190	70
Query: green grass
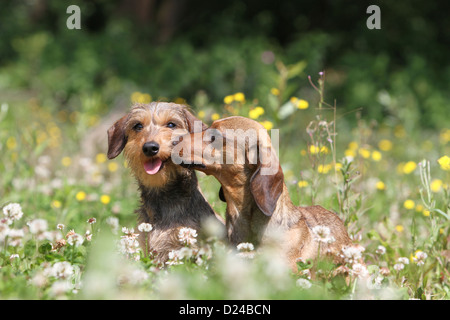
371	174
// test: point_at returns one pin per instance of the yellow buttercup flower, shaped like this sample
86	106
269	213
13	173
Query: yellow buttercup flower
314	150
399	228
376	155
240	97
256	112
53	130
100	158
444	162
436	185
11	143
385	145
80	196
139	97
135	96
113	166
56	204
409	167
201	114
409	204
228	99
324	168
353	145
93	120
41	137
105	199
302	184
350	153
267	124
66	161
364	153
302	104
380	185
180	100
445	136
275	91
426	213
215	116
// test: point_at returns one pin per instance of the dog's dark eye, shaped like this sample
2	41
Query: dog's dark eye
171	125
213	138
138	127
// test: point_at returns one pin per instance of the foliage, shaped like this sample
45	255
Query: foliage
70	235
377	155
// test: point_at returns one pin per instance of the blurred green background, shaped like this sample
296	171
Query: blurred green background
188	49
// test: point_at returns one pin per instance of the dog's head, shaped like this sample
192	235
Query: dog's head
146	135
239	153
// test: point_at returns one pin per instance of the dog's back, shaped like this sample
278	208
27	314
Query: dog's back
302	242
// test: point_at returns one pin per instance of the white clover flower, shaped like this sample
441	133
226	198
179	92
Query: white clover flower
403	260
352	254
62	270
245	247
74	239
303	283
129	246
374	281
60	226
145	227
38	226
381	250
246	250
174	258
187	236
12	212
359	270
323	234
185	253
14	256
127	231
399	266
419	258
91	221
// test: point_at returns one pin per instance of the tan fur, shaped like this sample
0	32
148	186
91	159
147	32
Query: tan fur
259	208
170	198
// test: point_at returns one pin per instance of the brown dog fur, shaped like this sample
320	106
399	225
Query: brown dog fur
259	208
170	198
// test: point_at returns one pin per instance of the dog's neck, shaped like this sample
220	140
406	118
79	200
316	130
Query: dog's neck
178	203
247	223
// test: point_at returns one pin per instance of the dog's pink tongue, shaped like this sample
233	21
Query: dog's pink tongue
152	166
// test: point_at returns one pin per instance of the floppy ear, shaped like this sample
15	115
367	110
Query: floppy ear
191	119
267	182
117	138
266	189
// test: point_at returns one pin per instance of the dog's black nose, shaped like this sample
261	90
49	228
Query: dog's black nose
150	148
